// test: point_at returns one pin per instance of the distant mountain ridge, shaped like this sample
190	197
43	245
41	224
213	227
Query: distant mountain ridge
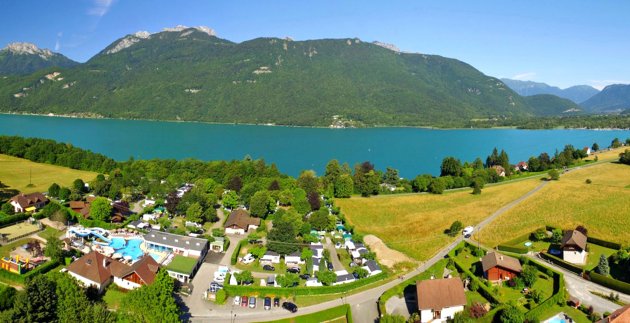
26	58
577	93
187	73
612	99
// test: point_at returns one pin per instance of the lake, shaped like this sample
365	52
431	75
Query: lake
411	150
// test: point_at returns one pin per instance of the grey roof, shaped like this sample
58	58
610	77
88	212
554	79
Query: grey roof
362	251
271	280
372	265
175	240
295	254
346	277
271	253
359	245
315	262
317	246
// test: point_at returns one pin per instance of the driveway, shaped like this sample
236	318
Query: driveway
334	258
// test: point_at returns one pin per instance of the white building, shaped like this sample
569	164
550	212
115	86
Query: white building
317	249
372	267
270	257
239	222
293	260
343	277
574	247
440	299
176	244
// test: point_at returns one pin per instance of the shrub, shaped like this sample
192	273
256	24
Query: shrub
221	296
455	228
588	181
554	174
477	310
513	249
474	285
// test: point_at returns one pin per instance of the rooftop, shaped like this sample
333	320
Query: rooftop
181	264
440	293
494	259
175	240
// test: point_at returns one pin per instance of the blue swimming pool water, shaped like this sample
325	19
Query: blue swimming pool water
129	248
155	257
557	320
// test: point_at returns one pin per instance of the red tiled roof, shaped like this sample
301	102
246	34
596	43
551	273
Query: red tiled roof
26	200
437	294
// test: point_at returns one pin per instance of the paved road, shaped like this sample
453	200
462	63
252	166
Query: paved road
221	215
334	258
364	304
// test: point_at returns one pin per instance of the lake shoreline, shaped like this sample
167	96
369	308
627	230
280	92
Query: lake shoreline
72	116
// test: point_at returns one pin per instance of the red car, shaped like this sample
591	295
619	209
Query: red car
244	301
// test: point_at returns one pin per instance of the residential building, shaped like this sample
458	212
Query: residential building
293	260
343	277
239	222
217	244
28	202
440	299
187	253
498	267
372	267
574	247
270	257
317	249
621	315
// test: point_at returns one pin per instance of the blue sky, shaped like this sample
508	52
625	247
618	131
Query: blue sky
562	43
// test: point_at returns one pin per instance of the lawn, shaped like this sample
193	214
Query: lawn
182	264
337	314
594	252
414	223
17	173
5	250
113	296
602	207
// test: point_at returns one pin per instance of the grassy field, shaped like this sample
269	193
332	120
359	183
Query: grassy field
415	223
337	314
602	206
14	172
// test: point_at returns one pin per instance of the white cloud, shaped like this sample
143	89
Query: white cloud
100	7
601	84
58	41
524	76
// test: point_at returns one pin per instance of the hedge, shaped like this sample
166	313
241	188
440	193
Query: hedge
604	243
558	296
566	265
240	245
12	219
612	283
294	291
514	249
483	289
518	239
21	279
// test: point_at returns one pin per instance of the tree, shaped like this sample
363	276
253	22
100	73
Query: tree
391	176
282	237
172	202
152	303
258	251
100	209
7	297
39	301
78	185
261	204
421	183
451	167
53	248
554	174
285	197
344	186
556	236
235	184
616	143
539	235
477	186
529	275
603	267
511	314
308	181
221	296
361	272
595	147
230	199
194	212
624	157
64	193
288	280
437	186
314	200
326	277
7	208
244	277
455	228
333	171
274	185
53	190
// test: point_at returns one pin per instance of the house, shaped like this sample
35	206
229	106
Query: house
293	260
343	277
498	267
349	245
138	224
270	257
372	267
621	315
187	253
499	169
587	150
81	207
440	299
97	270
28	202
316	264
217	244
313	282
317	249
521	166
573	247
239	222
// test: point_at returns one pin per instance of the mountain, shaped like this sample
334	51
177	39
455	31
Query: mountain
190	74
613	98
26	58
577	94
550	105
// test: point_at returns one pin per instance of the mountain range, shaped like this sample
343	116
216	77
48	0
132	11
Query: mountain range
186	73
26	58
577	93
613	98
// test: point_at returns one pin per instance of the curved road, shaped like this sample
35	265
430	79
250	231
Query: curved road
364	304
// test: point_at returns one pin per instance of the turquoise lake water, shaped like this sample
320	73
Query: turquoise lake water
411	150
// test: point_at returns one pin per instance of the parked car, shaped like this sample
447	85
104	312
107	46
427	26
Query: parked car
338	245
290	307
255	241
244	301
294	270
356	276
237	300
276	302
329	265
267	303
248	259
468	231
305	276
353	264
252	302
214	287
269	268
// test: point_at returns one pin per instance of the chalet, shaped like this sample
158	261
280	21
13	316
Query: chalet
372	267
81	207
98	271
440	299
28	202
521	166
621	315
293	260
239	222
343	277
317	249
270	257
316	264
587	150
499	169
574	247
498	267
349	245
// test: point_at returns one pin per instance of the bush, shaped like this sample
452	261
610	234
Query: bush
554	175
11	219
604	243
519	250
588	181
237	250
221	296
610	282
455	228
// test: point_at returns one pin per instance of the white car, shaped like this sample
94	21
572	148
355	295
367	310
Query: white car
468	231
237	300
248	259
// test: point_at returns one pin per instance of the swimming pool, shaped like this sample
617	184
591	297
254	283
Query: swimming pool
129	248
156	257
558	318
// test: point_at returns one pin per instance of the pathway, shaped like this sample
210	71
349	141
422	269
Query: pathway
334	258
221	215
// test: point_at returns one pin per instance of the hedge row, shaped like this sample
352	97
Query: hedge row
611	283
12	219
566	265
21	279
518	239
294	291
240	245
558	296
483	289
514	249
604	243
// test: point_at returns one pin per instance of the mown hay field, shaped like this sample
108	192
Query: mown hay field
603	206
17	173
414	224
